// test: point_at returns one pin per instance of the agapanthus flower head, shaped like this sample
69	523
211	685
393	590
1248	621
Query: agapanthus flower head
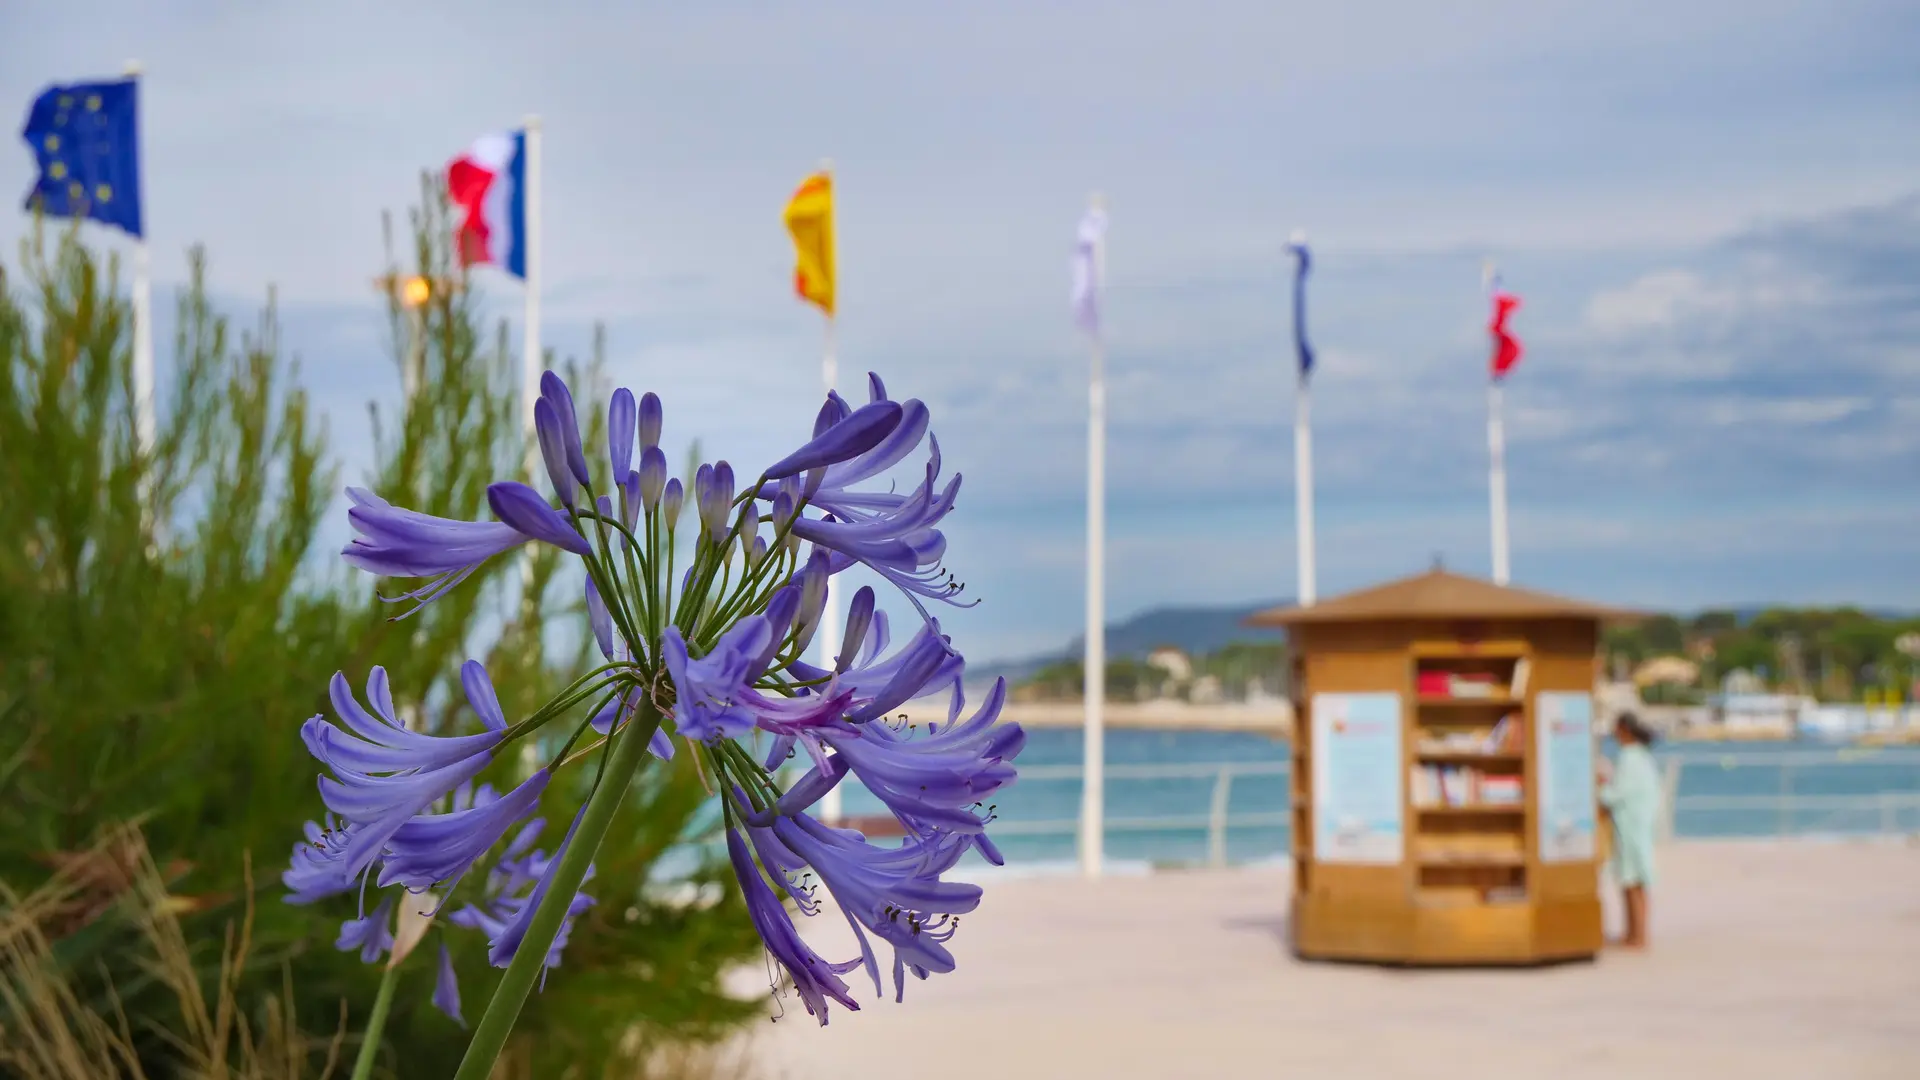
702	642
384	774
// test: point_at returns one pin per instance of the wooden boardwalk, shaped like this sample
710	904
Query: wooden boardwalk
1796	961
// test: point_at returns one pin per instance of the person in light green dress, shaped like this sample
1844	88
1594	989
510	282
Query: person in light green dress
1631	794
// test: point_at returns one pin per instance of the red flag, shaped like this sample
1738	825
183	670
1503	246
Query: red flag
1506	347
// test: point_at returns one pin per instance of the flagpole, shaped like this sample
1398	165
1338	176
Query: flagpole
1497	481
1093	788
1306	572
831	806
1496	462
144	422
1303	489
534	360
532	363
829	633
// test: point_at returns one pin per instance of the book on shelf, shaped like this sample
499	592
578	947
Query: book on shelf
1463	785
1490	849
1521	669
1502	738
1470	685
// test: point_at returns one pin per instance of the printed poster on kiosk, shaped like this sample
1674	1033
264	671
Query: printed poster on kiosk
1358	810
1564	749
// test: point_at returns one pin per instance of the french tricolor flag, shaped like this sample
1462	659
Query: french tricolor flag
487	186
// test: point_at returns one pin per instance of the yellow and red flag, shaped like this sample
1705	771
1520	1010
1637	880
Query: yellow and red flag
809	218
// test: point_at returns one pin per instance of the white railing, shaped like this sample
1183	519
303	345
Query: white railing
1891	811
1216	821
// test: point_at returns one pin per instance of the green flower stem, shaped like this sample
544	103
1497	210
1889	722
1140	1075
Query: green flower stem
370	1039
627	753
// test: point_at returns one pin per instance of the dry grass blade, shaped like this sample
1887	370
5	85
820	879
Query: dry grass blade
47	1033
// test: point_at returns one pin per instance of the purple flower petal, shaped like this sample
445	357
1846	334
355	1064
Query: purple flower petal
601	620
650	421
621	420
553	449
815	979
844	441
394	542
554	390
522	507
432	848
371	934
446	988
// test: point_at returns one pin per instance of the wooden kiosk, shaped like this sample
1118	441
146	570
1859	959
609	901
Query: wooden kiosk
1444	805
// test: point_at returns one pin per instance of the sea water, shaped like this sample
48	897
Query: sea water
1748	790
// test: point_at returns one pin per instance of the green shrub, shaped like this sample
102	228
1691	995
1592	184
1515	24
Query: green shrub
166	624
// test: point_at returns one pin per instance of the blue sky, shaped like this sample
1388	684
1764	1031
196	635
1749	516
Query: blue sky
1712	210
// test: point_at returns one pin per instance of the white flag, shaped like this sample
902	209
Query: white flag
1086	270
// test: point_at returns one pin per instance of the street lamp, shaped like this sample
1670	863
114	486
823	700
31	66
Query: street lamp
412	292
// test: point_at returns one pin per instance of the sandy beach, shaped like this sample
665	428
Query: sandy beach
1771	960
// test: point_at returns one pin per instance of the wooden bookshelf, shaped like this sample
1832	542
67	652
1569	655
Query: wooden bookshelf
1434	708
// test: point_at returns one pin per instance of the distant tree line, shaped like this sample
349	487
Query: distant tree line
1835	654
1234	672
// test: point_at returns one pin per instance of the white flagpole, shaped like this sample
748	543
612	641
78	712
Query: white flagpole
1307	573
1496	463
144	422
534	360
1303	490
1093	789
831	805
1497	482
829	633
532	363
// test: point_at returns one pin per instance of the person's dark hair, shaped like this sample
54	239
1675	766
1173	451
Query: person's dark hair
1634	728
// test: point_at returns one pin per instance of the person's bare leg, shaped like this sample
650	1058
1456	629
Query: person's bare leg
1636	904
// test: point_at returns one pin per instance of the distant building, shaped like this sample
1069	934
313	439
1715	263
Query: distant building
1206	691
1173	662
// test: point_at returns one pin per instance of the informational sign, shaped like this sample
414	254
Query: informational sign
1563	752
1358	810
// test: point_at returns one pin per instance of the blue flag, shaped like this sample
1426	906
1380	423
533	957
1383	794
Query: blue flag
1303	262
86	139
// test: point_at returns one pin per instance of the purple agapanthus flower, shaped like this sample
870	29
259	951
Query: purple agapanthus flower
715	641
318	868
505	918
894	535
815	978
935	779
372	934
894	894
384	774
507	898
395	542
433	848
708	689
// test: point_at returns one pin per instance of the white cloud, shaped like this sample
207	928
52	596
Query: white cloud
1785	412
1665	300
1657	301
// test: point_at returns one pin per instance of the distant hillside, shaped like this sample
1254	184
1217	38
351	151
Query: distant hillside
1191	629
1205	629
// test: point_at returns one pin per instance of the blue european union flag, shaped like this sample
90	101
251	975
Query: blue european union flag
86	137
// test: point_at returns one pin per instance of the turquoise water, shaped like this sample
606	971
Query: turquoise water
1755	771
